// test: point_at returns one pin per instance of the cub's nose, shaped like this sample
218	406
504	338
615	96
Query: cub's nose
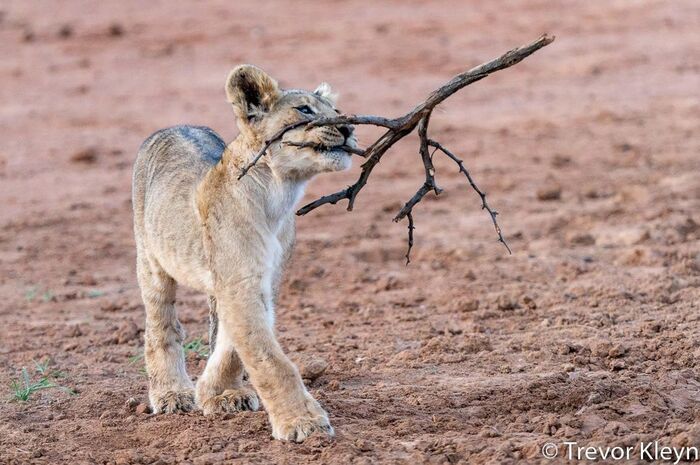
345	130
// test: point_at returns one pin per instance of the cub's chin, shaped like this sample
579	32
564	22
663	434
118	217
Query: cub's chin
338	160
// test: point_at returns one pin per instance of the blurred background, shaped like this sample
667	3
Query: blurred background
588	149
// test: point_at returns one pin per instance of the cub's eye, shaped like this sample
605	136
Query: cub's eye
305	109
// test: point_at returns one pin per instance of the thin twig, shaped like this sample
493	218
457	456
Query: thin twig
429	184
409	216
277	136
484	205
357	119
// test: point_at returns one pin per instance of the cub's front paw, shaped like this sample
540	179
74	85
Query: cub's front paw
173	401
299	427
230	401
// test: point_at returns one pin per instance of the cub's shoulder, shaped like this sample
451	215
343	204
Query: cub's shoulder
201	140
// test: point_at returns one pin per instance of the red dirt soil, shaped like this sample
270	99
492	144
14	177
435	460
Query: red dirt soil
589	149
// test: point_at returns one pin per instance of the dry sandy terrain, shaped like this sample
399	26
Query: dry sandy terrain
589	149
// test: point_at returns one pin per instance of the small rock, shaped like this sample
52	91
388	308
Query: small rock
617	365
65	31
333	385
616	351
689	226
489	432
529	302
87	155
623	237
549	191
601	349
116	30
313	369
689	438
28	35
364	445
623	147
682	440
248	446
74	331
593	193
580	239
143	409
617	428
506	302
559	161
506	448
70	346
551	425
468	305
131	404
564	349
694	264
388	283
128	331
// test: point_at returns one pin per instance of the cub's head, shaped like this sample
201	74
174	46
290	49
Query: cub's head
262	109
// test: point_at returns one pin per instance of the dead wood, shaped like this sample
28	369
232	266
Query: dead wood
397	129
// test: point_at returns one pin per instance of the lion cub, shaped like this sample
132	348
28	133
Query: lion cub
196	224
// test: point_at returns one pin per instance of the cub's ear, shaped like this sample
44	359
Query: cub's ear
251	91
324	90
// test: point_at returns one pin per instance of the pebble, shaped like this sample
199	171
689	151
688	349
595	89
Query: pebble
313	369
470	305
131	404
529	302
549	192
505	302
364	445
580	239
116	30
143	408
87	155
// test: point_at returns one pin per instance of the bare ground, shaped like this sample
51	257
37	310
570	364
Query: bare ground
589	149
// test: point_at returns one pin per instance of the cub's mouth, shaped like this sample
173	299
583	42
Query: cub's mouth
349	150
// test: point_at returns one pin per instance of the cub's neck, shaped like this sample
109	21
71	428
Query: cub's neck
261	189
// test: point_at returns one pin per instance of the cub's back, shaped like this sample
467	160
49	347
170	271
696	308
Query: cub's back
169	166
171	162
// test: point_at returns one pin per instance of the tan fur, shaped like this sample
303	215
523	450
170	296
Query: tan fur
197	225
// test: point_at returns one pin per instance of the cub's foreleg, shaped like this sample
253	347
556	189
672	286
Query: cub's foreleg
220	388
244	311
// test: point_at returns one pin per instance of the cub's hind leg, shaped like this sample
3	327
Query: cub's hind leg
220	389
170	389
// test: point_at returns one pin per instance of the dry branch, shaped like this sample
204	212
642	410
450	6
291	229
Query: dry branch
398	128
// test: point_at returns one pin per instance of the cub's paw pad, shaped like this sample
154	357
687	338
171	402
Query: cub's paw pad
301	428
174	402
230	401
